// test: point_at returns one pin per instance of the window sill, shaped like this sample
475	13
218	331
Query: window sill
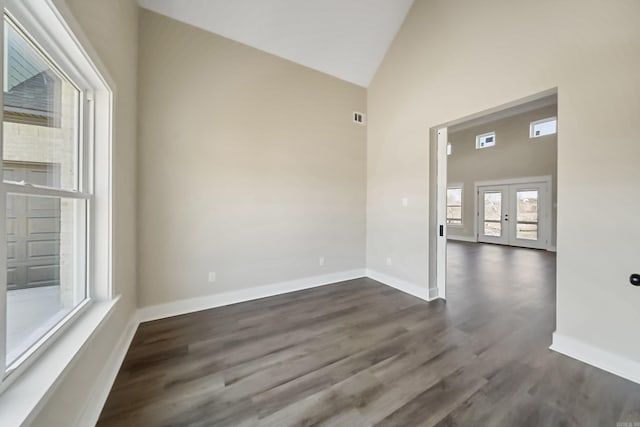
29	391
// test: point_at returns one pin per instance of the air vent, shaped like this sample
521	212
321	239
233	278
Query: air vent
359	118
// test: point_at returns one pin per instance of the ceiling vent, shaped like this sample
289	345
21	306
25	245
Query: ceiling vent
359	118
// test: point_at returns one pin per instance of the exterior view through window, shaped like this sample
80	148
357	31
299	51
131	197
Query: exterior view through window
493	214
454	206
45	194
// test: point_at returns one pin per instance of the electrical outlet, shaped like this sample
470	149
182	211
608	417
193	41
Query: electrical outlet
388	261
321	261
212	276
405	202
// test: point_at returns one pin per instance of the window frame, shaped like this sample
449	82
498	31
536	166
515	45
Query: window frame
455	187
51	29
537	122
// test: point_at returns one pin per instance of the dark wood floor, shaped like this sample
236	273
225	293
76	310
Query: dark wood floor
360	353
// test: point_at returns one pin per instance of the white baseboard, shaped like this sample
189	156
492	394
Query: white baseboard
462	238
191	305
552	249
102	386
105	381
579	350
403	285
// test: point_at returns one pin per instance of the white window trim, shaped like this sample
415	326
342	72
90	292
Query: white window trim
25	390
461	187
548	119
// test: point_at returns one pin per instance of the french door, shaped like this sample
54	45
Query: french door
514	214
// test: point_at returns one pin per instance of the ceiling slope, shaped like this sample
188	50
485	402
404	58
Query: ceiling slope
343	38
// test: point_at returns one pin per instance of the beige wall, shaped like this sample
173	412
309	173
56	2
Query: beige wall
112	28
515	155
453	58
250	166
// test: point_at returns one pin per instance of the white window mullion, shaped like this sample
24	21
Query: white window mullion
34	190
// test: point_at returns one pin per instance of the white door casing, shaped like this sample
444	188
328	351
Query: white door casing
441	236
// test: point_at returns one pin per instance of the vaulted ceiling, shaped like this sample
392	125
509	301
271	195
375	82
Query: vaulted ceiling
344	38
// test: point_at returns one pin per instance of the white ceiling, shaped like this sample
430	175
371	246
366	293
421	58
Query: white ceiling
344	38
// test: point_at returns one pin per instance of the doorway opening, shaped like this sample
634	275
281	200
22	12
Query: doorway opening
495	188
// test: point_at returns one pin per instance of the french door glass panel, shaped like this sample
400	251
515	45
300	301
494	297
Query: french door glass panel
493	213
492	208
513	214
527	214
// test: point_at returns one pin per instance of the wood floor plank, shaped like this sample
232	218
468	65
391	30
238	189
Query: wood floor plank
360	353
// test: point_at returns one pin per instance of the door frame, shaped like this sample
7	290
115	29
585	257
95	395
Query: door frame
436	263
441	212
545	179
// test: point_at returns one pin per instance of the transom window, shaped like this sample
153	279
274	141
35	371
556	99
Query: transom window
454	205
543	127
486	140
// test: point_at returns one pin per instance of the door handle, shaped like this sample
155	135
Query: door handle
635	279
442	231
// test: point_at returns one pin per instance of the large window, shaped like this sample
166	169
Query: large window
55	198
45	194
454	205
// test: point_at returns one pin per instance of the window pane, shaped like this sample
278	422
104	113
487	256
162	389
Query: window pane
527	206
492	229
486	140
454	197
544	128
527	231
493	206
454	212
40	118
45	266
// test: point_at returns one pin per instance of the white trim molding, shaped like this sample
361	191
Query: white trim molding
104	382
21	403
404	286
206	302
470	239
594	356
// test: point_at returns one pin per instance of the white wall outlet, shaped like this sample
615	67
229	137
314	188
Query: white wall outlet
389	261
405	202
212	276
321	261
